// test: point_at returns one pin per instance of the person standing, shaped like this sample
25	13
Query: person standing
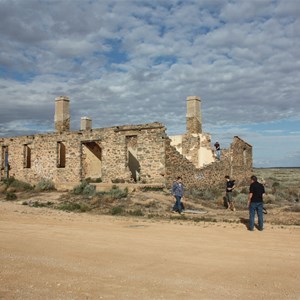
177	192
255	203
229	188
218	150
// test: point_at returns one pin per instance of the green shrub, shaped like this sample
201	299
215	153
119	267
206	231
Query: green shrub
45	185
116	193
10	196
117	210
89	190
240	201
70	206
205	194
9	180
84	189
151	188
78	190
21	185
136	212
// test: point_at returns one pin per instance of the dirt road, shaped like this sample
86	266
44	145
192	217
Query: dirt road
48	254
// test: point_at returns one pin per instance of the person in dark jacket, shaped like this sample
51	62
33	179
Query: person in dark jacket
255	203
218	150
177	192
230	185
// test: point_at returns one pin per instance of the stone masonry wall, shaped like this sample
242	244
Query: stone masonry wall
44	154
232	163
159	162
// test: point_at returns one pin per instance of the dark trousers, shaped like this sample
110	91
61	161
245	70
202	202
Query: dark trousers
178	205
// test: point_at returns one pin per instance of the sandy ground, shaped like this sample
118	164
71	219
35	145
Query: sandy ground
49	254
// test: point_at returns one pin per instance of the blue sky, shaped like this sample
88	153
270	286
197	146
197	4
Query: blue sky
136	61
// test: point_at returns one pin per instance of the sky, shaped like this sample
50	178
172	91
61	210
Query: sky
136	61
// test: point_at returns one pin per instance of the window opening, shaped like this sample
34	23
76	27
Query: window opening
61	155
27	156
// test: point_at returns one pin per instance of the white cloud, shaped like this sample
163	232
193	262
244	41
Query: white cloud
135	61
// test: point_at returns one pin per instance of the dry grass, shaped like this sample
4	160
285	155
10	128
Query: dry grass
281	200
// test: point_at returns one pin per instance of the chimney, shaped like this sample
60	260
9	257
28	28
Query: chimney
193	115
85	123
62	114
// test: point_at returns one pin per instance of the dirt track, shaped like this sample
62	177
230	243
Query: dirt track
48	254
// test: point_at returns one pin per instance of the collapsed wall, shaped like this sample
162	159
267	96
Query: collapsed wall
235	162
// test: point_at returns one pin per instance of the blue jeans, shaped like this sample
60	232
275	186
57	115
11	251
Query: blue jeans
256	207
177	205
218	153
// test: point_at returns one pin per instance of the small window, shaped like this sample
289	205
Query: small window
61	155
27	156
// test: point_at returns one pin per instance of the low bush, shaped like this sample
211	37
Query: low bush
45	185
152	188
204	194
136	212
10	196
9	180
70	206
19	185
269	199
84	189
116	193
117	210
240	201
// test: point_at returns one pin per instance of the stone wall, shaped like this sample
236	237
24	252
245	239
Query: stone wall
46	160
235	162
118	154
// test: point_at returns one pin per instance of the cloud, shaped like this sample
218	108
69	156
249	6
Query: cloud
126	62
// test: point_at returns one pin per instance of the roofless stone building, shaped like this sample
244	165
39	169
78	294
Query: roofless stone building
129	153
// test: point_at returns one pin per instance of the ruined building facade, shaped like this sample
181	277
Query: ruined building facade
129	153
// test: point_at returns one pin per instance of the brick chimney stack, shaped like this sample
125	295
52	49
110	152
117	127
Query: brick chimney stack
62	114
193	115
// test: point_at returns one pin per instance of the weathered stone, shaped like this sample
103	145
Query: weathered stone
129	153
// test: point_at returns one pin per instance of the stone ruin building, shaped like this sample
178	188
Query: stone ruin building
129	153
